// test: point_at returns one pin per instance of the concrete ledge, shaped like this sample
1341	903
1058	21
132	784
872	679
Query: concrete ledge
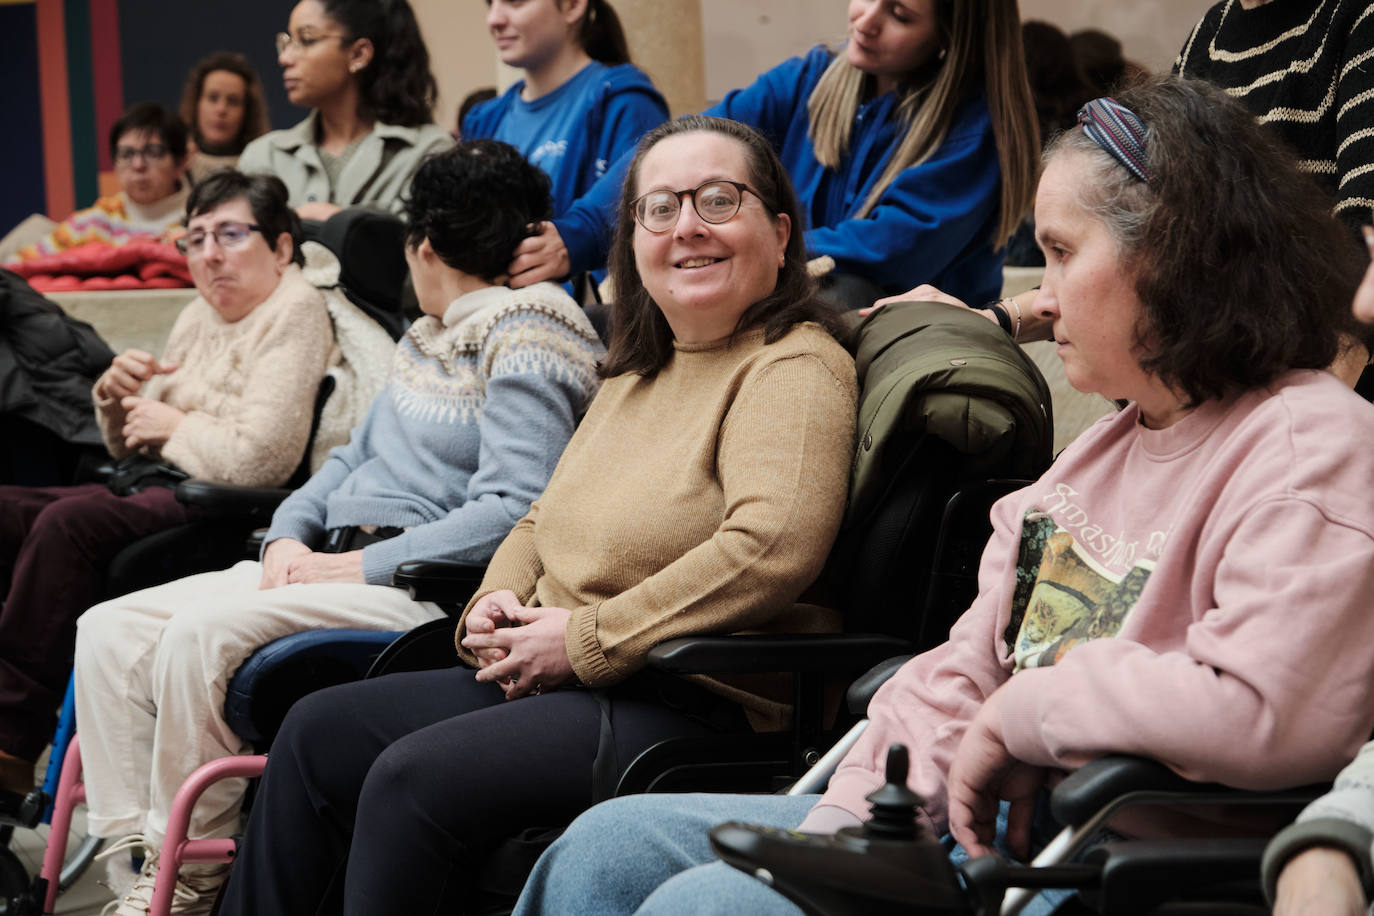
139	319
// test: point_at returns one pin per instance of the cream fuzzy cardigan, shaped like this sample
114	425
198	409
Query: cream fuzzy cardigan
247	387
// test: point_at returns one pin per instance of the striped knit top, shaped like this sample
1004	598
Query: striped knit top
1307	68
115	219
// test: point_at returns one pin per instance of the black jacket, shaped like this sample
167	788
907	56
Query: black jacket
48	363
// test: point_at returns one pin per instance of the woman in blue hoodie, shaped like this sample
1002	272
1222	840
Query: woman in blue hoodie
581	104
914	150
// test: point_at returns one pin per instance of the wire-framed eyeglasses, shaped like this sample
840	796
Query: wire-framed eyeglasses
716	201
227	235
302	43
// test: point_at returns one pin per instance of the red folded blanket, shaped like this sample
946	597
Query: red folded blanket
140	264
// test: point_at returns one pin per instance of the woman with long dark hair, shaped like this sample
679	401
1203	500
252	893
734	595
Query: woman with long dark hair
362	68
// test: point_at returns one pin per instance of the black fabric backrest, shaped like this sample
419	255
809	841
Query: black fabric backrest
370	246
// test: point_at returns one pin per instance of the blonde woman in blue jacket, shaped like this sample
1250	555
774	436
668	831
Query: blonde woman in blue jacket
914	150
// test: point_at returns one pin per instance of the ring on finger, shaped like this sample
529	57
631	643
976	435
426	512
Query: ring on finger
538	689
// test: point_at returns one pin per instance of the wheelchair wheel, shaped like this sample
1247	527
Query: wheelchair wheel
14	884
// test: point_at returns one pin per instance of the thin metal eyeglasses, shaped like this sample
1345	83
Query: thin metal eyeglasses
227	235
716	201
304	43
153	152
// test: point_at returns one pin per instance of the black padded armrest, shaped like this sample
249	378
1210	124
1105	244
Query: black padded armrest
773	653
231	499
1091	787
440	581
860	693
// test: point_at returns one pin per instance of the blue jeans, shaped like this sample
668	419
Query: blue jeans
650	855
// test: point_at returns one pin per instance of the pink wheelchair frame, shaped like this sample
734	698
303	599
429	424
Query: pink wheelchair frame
177	850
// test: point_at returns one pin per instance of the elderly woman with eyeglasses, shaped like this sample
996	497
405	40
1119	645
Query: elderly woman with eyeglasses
148	146
362	68
700	495
229	399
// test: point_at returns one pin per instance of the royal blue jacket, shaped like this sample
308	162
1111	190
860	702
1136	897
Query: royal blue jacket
933	224
575	132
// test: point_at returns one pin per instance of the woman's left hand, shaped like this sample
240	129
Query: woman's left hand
148	422
536	651
983	775
326	567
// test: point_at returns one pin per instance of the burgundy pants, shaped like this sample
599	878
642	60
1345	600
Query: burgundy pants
55	546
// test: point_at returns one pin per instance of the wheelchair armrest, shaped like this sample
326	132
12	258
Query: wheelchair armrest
1104	781
751	653
440	581
860	693
231	499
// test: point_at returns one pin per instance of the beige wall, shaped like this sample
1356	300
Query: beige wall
1151	31
664	37
460	52
745	37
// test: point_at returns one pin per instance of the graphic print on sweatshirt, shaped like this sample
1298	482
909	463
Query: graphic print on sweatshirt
1074	582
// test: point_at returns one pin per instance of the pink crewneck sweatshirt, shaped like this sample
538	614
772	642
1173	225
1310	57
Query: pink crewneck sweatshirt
1198	594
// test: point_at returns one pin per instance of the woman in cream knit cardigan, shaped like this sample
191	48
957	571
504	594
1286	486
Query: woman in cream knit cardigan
230	399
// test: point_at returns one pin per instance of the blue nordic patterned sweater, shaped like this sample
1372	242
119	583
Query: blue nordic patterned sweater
575	132
933	224
475	416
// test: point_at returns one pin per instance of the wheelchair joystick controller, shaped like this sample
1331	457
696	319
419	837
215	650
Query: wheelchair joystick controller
894	804
891	864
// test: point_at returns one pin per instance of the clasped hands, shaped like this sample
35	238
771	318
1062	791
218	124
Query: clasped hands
146	422
287	561
522	649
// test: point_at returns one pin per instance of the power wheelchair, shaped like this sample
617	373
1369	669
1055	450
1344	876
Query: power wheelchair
891	867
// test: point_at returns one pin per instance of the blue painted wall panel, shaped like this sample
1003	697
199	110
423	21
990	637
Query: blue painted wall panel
21	152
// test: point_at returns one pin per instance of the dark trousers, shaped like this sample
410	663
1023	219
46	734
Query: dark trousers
55	545
408	781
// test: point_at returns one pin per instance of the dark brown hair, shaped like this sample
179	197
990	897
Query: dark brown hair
150	117
397	87
475	203
600	34
640	338
254	108
267	199
1242	271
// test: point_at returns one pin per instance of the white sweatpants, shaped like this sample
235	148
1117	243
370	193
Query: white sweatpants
151	672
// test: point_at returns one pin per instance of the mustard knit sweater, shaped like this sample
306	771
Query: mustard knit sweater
702	500
247	387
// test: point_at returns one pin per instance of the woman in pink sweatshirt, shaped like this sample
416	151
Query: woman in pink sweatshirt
1189	581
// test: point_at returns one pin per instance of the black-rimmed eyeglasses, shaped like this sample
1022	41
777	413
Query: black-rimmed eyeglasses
716	201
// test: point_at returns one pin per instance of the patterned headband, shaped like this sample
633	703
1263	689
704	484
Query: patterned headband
1116	129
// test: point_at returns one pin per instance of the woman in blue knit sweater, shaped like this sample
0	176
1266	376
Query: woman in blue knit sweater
484	393
913	149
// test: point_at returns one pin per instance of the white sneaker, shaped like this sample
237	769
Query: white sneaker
194	894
